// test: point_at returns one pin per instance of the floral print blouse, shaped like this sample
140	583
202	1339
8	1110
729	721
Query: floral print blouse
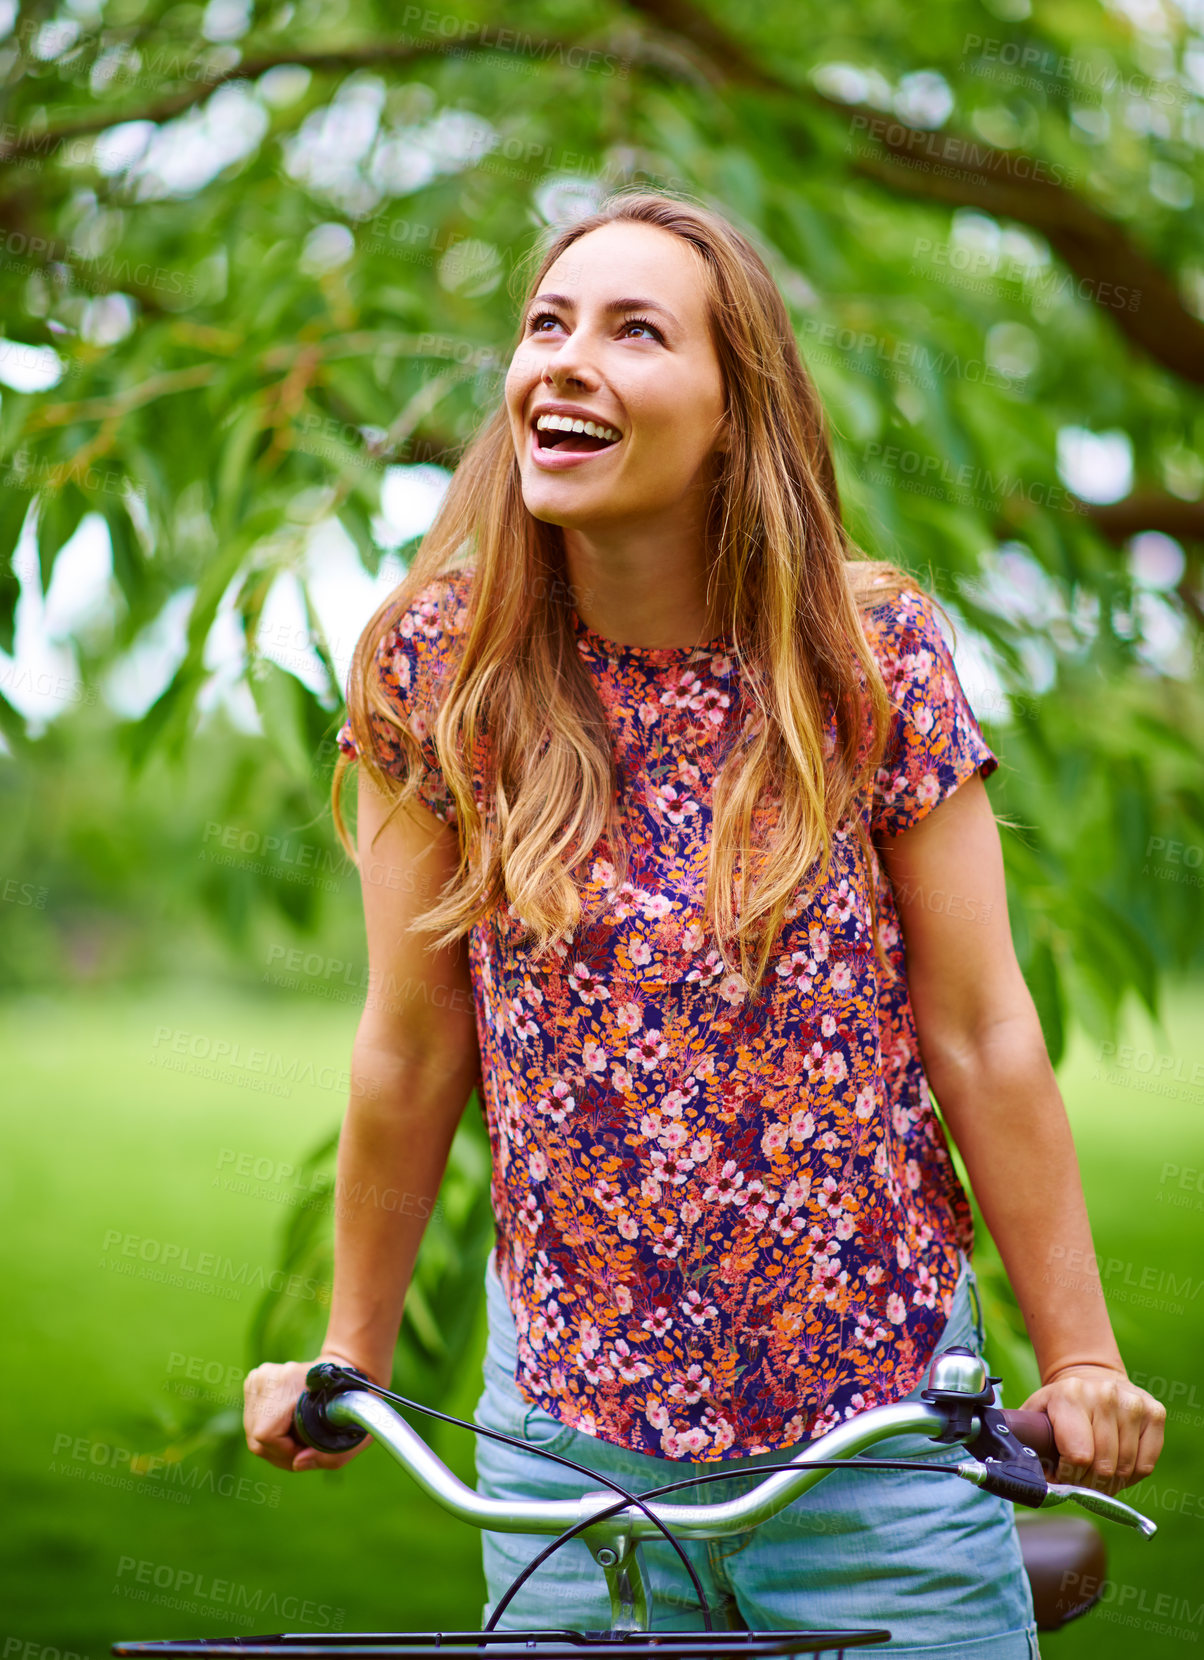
724	1223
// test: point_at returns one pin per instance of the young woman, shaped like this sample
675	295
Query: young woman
694	805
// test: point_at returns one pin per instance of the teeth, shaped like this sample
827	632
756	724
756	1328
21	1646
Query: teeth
566	423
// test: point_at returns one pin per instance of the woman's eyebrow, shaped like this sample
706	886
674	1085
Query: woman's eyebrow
610	306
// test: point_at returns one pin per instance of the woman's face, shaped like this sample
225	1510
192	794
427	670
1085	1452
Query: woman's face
618	331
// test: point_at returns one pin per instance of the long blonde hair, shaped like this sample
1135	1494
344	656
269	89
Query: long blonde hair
782	562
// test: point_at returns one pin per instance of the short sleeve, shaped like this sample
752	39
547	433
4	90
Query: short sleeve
411	664
935	743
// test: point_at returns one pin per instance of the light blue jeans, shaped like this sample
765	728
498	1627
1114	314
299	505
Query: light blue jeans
936	1562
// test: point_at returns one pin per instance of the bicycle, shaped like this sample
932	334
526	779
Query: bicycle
340	1406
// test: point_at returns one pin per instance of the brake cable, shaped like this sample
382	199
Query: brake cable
331	1367
698	1481
638	1500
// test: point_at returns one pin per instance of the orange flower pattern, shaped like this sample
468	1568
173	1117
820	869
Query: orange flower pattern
725	1223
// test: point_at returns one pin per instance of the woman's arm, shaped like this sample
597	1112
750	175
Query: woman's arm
414	1062
416	1047
985	1058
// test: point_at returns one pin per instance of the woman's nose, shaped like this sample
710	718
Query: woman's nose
568	366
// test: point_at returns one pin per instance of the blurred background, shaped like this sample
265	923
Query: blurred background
259	266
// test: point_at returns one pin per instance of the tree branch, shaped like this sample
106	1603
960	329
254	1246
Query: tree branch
1114	273
1118	276
1147	510
166	109
1117	521
948	167
106	409
45	144
363	343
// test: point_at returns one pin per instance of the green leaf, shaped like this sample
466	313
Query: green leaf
234	463
357	525
165	724
14	506
12	725
129	566
281	700
59	514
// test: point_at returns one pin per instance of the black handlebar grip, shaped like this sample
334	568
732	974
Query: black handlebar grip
312	1427
1034	1430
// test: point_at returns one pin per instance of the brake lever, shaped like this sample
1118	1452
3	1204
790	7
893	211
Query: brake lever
1103	1504
1000	1464
1004	1466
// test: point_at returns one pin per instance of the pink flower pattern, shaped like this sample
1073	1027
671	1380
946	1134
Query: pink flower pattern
724	1223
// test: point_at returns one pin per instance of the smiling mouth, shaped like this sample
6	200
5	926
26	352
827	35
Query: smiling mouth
571	443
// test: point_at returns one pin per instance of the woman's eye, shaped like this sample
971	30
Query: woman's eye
550	316
643	323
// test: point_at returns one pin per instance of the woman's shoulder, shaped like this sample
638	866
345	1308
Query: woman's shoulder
412	659
434	613
417	640
897	616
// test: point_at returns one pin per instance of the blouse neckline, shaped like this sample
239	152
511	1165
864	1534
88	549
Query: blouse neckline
646	654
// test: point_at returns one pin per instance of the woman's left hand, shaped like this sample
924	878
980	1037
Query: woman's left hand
1108	1431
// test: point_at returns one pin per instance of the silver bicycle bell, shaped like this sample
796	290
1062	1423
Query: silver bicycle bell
958	1372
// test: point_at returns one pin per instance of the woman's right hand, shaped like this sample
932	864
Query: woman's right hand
270	1394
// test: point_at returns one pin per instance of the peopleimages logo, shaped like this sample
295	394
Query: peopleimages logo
204	1591
152	1475
229	1055
175	1264
34	1650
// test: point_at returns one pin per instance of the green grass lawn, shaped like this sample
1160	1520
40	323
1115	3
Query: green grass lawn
106	1145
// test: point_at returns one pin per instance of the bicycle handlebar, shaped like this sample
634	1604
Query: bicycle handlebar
690	1521
1033	1429
961	1411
